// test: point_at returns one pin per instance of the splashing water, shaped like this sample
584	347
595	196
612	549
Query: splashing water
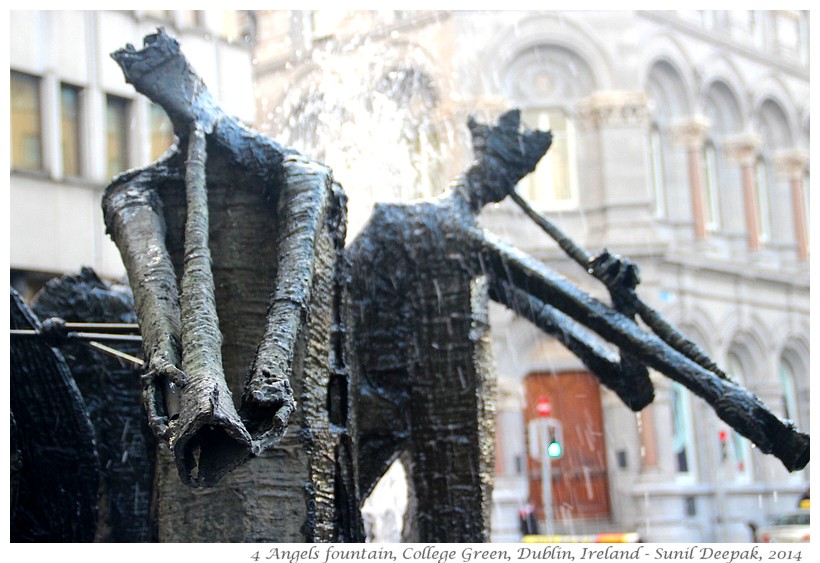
370	112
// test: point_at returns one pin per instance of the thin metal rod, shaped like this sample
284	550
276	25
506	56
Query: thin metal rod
24	332
81	335
576	252
104	336
95	344
117	353
103	326
651	317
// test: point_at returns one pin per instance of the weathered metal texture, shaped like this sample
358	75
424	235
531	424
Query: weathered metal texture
275	230
58	472
418	322
419	331
287	493
111	391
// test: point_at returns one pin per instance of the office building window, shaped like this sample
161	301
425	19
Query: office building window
553	185
70	129
26	124
162	132
116	124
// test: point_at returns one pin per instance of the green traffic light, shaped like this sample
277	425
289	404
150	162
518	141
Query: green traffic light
554	450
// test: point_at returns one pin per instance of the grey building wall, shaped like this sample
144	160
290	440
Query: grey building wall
56	223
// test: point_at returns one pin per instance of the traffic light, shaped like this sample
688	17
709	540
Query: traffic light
554	449
545	438
555	446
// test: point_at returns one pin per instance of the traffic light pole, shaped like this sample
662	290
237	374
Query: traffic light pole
723	475
546	442
546	475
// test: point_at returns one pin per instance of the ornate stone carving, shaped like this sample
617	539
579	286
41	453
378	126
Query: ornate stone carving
791	163
742	149
689	132
615	108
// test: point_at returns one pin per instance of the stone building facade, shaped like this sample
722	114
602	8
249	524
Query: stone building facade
681	141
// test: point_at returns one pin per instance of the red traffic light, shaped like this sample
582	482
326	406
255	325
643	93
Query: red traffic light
543	407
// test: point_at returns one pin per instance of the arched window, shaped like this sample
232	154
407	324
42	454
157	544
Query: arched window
658	169
775	205
792	368
788	389
681	431
722	182
546	80
711	173
764	214
553	185
667	167
738	453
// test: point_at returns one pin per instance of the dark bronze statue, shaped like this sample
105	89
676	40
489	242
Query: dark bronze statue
343	359
233	247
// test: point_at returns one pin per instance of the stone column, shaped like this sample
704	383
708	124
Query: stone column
616	195
689	134
792	164
743	151
649	439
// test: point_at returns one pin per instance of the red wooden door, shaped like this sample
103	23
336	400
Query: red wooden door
579	478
